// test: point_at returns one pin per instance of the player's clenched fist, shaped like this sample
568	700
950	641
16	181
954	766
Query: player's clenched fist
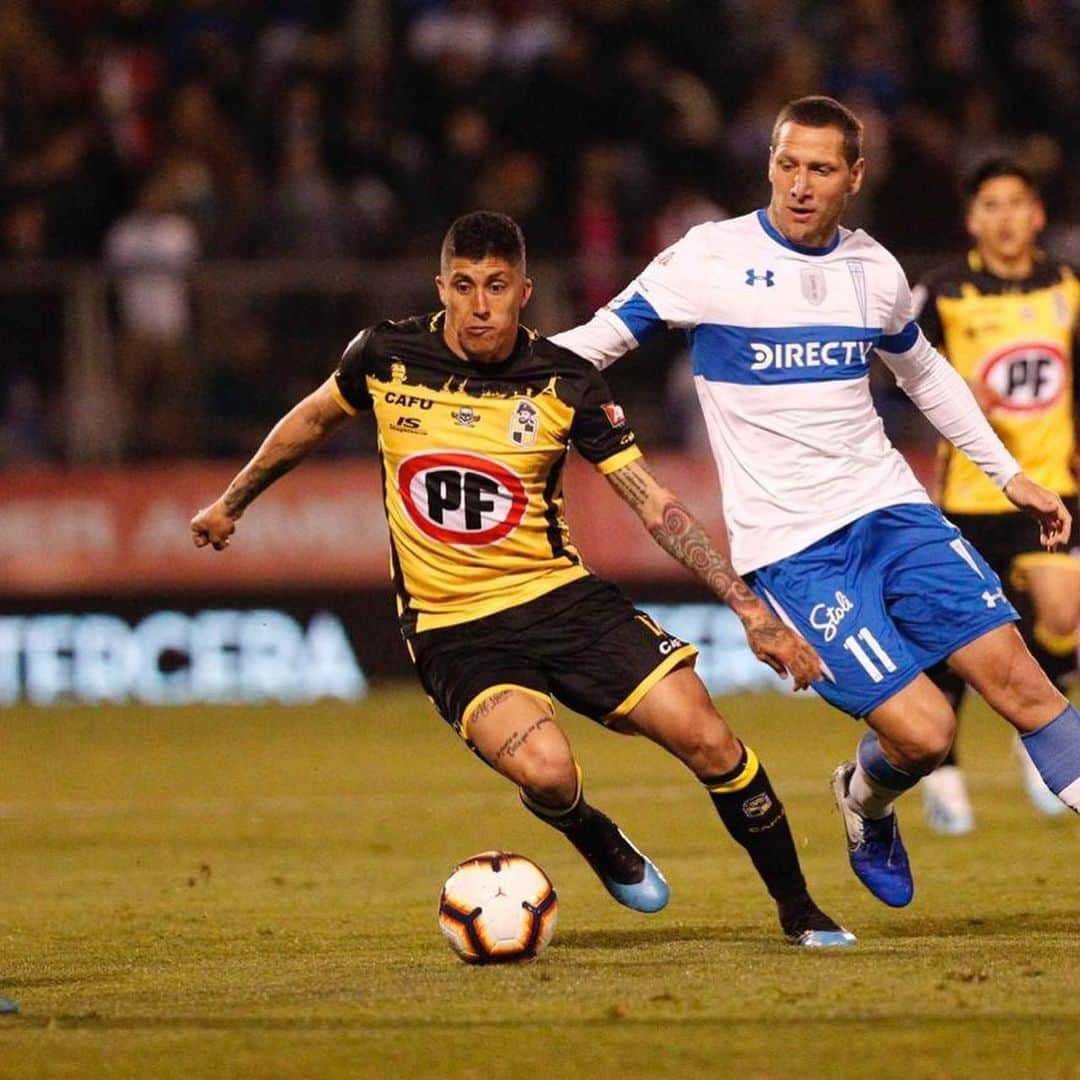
212	525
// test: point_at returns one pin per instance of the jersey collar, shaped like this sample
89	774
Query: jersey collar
802	249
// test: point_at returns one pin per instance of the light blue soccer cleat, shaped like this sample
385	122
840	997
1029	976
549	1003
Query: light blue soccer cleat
875	850
648	894
807	926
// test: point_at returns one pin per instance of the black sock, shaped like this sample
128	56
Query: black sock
754	815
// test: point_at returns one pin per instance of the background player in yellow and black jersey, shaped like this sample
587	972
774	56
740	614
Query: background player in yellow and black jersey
475	415
1006	317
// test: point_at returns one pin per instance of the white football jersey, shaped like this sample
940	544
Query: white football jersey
781	338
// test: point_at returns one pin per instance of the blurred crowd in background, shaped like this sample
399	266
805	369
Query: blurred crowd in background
151	141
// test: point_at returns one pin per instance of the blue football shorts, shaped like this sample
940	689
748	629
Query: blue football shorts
884	598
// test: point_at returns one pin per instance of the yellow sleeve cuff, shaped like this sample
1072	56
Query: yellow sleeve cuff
623	457
339	397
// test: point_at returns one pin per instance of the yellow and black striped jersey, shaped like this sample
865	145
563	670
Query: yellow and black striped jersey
472	458
1017	338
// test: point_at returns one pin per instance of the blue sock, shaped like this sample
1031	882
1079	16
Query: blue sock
1055	749
878	767
876	781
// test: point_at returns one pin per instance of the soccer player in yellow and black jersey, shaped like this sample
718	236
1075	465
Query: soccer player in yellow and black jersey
1007	317
475	415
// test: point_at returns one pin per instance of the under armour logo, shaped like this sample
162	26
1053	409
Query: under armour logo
752	278
992	598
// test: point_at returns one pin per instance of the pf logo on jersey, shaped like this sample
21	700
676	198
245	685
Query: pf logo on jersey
1026	376
460	498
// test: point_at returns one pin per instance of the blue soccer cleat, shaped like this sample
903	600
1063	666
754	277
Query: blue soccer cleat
631	877
8	1006
650	893
628	875
875	850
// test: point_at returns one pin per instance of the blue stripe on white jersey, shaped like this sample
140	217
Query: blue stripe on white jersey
901	342
639	316
766	355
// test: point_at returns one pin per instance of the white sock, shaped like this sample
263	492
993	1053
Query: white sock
868	797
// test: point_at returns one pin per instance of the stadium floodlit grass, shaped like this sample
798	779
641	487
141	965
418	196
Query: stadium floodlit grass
252	892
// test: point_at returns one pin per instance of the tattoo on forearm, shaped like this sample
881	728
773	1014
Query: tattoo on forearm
516	741
632	485
682	536
257	478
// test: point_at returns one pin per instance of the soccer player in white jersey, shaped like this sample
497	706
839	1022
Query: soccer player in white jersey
785	310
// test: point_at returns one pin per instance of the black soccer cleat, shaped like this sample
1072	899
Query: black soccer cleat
807	926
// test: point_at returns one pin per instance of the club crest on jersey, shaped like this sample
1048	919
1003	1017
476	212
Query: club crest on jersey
466	417
460	498
615	415
812	279
767	278
524	423
1026	376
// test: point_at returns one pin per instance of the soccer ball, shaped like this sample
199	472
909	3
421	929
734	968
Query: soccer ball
498	906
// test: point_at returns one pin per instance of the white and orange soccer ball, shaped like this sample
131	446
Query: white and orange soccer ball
498	906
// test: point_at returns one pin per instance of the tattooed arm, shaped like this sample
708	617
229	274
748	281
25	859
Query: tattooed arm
306	426
682	536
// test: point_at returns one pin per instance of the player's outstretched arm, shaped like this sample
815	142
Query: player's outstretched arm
306	426
1055	521
682	536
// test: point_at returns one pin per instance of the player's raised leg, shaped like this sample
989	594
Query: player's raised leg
1000	667
910	734
678	714
514	730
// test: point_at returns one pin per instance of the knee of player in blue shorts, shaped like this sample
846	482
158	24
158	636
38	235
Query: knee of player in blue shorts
899	763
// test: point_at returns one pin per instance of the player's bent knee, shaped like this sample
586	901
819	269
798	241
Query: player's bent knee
711	748
549	775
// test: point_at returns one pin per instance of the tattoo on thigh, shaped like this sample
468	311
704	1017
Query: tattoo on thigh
519	738
488	705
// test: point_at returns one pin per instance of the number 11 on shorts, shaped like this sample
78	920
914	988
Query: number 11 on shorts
853	646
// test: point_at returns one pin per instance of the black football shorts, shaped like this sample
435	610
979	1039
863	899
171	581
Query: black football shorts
584	644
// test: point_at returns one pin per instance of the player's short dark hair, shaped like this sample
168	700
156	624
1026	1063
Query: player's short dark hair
822	112
481	234
993	168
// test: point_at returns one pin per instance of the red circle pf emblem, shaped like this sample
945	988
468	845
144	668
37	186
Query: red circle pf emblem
461	498
1026	376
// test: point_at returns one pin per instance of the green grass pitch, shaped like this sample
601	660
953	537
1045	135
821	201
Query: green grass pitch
251	892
